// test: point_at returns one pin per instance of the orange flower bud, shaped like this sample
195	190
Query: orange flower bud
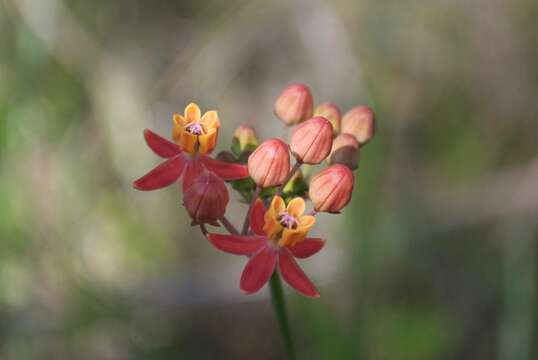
331	189
359	122
311	141
246	137
332	113
294	104
345	151
206	198
269	164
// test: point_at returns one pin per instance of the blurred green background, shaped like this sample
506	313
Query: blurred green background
436	257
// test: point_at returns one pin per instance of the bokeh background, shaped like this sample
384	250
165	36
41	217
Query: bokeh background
436	257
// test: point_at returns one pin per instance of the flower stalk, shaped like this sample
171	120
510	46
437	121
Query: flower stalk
229	226
277	296
292	172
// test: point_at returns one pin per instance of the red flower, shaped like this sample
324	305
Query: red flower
279	237
180	163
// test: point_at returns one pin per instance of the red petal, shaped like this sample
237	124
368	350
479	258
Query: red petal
194	168
227	171
259	269
256	217
294	276
163	175
238	245
307	247
160	145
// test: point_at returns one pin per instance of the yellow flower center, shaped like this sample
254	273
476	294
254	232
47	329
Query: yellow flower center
195	133
287	225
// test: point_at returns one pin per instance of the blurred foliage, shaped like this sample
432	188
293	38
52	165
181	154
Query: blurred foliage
436	257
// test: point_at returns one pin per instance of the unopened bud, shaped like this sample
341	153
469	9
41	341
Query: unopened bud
269	164
332	113
345	151
331	189
294	104
312	140
246	138
359	122
206	198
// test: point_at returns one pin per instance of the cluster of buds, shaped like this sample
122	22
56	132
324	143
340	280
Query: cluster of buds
276	226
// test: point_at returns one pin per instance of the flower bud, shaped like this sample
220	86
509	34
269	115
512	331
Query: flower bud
359	122
269	164
332	113
311	141
345	151
294	104
331	189
206	198
246	137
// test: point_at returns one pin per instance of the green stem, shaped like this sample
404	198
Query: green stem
288	178
280	310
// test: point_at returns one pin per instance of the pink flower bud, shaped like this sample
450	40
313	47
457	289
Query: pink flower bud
294	104
345	151
311	141
246	137
359	122
332	113
331	189
206	198
269	164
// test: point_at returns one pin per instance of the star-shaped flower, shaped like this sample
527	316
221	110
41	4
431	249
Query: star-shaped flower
194	138
280	236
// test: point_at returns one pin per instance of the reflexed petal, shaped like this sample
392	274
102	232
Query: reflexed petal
179	120
210	120
188	141
294	276
296	207
194	168
227	171
256	217
207	142
238	245
307	247
259	269
163	175
160	145
192	113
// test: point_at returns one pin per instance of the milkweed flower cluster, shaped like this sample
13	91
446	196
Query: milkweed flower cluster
277	223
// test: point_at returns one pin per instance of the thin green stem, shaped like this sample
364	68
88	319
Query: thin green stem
288	178
277	295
